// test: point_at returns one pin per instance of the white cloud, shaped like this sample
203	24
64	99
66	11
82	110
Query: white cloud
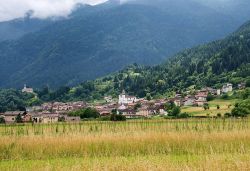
10	9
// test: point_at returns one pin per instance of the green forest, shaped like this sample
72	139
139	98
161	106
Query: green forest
210	65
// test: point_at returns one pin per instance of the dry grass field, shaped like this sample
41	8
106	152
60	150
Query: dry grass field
195	144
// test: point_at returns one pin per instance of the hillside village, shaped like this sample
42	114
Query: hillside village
127	105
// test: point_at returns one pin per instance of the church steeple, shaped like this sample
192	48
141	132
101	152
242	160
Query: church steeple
123	92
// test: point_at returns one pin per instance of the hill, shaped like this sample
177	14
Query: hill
212	64
95	41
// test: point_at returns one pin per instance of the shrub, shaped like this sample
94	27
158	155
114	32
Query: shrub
2	120
115	117
227	115
206	106
104	118
210	97
183	115
225	96
218	107
219	115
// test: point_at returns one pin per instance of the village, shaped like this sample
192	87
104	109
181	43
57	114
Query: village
129	106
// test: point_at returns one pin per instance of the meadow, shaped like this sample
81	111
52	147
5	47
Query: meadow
225	106
194	144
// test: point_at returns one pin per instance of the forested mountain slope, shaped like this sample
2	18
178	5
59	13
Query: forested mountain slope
212	64
14	29
95	41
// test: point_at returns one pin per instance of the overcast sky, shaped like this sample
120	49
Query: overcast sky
10	9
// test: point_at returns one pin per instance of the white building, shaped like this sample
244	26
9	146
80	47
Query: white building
227	88
218	92
125	99
27	90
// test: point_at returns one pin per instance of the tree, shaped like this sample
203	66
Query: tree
210	97
89	113
19	118
175	111
241	109
114	111
169	106
148	97
206	106
86	113
2	120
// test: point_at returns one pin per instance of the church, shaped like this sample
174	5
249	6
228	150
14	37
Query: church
27	90
125	99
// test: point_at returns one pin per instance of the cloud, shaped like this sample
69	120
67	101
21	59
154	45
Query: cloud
10	9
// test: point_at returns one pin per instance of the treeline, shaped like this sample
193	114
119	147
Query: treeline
11	99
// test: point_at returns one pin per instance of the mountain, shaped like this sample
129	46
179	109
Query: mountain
15	29
97	40
212	64
237	9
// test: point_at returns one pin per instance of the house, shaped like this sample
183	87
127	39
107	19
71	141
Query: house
130	113
45	117
10	116
105	112
108	99
242	86
201	96
200	102
143	111
27	90
178	102
160	109
218	92
37	117
189	101
72	118
178	95
227	88
26	117
125	99
50	118
60	107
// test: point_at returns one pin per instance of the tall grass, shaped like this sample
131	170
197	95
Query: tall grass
176	144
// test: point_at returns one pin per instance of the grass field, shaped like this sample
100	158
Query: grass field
225	107
195	144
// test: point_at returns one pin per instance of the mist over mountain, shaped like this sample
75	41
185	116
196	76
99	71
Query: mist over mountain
96	40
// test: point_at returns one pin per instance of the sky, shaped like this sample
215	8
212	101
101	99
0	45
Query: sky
11	9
